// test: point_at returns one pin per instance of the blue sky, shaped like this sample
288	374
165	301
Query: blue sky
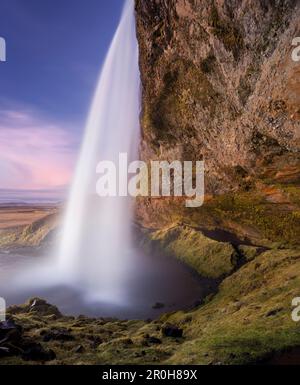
55	49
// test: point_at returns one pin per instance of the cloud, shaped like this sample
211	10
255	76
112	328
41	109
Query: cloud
34	153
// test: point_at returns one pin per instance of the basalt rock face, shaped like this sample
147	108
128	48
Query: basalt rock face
219	84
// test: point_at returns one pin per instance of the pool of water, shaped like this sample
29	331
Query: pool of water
154	280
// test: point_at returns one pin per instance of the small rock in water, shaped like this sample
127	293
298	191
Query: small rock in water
158	306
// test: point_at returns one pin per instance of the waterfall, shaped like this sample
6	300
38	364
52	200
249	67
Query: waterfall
95	248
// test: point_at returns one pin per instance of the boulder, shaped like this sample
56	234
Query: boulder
62	335
38	306
35	352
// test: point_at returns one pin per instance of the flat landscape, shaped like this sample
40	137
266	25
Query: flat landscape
12	217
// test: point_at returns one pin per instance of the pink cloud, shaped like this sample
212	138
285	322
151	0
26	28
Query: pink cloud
34	153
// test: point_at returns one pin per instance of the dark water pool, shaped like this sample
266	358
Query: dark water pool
156	280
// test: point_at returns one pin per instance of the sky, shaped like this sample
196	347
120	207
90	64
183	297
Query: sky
54	51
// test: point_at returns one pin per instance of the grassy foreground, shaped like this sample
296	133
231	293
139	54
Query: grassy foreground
247	321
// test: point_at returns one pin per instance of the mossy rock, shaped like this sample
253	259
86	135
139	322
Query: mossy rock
249	319
249	252
208	257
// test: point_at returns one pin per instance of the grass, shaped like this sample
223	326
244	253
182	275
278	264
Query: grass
275	223
236	326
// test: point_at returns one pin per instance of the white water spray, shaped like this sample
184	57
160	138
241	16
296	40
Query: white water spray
95	246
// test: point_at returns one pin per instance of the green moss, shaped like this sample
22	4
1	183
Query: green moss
293	193
248	252
209	258
274	222
249	319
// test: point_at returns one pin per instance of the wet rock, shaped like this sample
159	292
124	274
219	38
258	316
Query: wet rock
172	331
7	325
35	352
4	352
62	335
80	349
10	331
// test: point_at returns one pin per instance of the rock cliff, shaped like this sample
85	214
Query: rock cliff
219	84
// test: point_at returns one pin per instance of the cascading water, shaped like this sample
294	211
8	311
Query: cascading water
95	245
96	270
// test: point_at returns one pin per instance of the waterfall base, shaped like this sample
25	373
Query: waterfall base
155	285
